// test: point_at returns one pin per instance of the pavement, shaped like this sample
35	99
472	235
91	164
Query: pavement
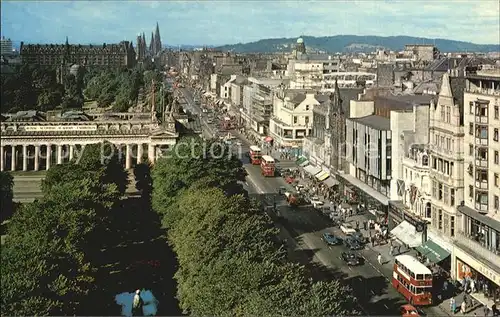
304	227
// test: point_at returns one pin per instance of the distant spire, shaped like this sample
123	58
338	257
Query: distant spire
152	45
336	101
67	42
157	39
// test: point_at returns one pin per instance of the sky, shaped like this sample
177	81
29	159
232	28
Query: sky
220	22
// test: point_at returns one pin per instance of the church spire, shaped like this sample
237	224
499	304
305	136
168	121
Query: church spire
157	39
152	45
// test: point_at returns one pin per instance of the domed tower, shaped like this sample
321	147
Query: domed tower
300	47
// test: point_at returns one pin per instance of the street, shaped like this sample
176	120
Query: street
370	281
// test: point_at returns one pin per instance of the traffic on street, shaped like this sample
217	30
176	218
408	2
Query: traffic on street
313	233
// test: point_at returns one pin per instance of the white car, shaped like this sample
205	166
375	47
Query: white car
347	229
317	203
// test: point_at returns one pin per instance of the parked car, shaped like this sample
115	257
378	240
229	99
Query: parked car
331	239
347	229
351	258
359	237
353	244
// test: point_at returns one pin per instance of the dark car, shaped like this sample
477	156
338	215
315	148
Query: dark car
351	258
331	239
353	244
359	237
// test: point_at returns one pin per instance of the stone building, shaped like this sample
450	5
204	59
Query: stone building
105	55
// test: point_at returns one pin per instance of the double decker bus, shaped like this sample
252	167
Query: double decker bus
255	155
413	280
267	166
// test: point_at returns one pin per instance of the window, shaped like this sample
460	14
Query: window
471	107
496	112
440	222
496	157
471	191
307	107
452	226
471	149
294	119
307	120
448	114
425	160
471	128
452	197
434	189
440	191
495	202
442	114
448	144
495	179
446	194
495	134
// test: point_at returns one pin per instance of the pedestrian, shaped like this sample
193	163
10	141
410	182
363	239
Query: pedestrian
391	250
486	310
472	286
137	304
357	224
350	212
463	307
379	259
453	305
365	225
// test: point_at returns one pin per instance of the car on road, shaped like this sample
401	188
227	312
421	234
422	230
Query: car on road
359	237
317	203
409	311
347	228
326	211
352	244
351	258
331	239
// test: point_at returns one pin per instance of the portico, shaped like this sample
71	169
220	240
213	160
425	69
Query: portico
34	146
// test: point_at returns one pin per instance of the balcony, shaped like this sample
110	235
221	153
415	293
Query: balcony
481	207
481	119
483	163
482	184
481	141
465	241
483	91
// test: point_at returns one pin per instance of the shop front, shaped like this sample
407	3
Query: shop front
483	278
406	227
358	192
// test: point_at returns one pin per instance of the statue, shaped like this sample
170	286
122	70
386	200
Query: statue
137	304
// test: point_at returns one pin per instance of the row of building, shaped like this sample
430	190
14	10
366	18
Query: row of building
427	157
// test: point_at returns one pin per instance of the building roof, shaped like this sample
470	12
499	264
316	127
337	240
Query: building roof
373	121
402	102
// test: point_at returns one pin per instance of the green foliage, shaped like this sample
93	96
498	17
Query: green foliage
119	88
46	261
230	259
6	195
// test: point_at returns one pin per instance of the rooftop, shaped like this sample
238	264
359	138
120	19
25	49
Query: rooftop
373	121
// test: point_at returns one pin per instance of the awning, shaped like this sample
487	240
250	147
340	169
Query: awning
330	182
304	163
301	160
406	233
312	170
321	176
433	251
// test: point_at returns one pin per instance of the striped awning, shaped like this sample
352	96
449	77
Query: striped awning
322	175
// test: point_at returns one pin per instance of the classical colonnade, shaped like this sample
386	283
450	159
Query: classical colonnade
28	157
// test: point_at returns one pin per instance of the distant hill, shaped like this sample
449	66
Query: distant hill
354	43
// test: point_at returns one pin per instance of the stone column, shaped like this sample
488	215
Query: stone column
59	154
25	158
1	158
37	157
151	153
71	152
13	158
140	148
48	156
128	158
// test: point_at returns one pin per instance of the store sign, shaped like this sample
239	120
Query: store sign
51	128
489	274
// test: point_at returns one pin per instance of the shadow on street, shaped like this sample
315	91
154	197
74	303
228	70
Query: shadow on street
134	255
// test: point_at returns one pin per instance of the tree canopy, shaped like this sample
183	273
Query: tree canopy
230	259
46	260
6	195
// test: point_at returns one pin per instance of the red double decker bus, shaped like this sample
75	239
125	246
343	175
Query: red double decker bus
267	166
255	155
413	280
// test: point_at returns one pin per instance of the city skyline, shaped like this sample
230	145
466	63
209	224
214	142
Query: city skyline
186	23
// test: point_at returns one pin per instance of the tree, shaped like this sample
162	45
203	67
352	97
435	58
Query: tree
6	195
